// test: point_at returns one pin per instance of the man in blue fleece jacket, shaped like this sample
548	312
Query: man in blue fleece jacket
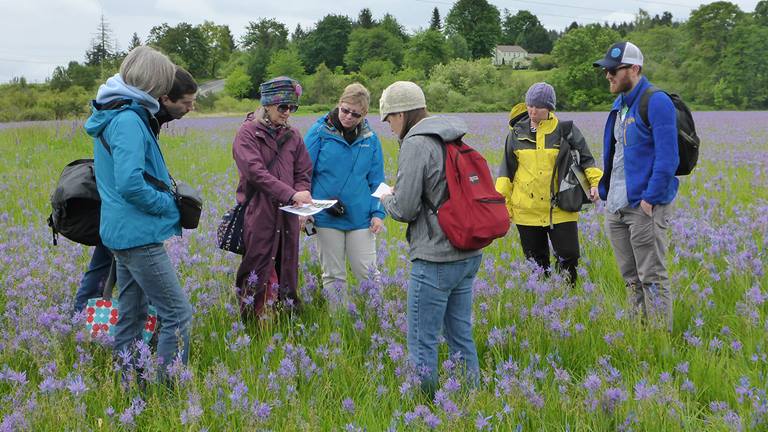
639	183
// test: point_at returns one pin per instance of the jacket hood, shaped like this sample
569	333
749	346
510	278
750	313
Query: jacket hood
327	127
519	116
518	113
100	118
446	127
115	88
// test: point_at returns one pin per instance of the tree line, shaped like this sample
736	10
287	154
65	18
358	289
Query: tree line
715	59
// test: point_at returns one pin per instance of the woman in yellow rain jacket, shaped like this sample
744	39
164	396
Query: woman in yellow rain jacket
531	173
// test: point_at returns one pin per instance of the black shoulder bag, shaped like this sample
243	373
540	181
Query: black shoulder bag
570	195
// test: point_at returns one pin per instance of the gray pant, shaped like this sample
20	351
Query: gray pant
640	244
335	247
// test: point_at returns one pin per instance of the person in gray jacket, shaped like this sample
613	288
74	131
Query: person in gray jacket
435	303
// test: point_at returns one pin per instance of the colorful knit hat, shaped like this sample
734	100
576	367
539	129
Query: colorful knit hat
280	90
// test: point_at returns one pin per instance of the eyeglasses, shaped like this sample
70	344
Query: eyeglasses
345	111
614	71
282	108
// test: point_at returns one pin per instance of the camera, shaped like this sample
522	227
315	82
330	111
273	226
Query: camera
309	228
338	209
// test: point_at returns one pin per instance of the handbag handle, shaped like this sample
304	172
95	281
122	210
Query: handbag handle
109	283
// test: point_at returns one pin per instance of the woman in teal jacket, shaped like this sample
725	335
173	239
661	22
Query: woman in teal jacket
347	165
135	216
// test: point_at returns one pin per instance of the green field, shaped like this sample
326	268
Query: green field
552	358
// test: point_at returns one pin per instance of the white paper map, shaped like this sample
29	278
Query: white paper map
309	209
383	189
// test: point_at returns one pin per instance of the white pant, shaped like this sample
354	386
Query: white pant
335	246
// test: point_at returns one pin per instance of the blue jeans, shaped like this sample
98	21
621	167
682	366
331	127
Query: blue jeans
92	282
146	273
440	299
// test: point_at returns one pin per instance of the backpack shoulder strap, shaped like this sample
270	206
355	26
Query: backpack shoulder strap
644	100
443	146
430	205
566	129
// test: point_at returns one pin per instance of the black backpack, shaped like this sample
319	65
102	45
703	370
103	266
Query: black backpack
687	139
76	204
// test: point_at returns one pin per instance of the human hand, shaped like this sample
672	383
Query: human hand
594	195
376	225
647	207
301	197
391	192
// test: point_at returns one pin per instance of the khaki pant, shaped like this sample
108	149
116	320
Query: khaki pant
335	247
640	243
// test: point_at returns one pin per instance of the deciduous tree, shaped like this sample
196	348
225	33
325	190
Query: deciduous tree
479	22
371	44
326	43
425	50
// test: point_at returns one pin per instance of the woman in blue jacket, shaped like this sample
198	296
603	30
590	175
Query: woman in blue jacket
348	166
136	217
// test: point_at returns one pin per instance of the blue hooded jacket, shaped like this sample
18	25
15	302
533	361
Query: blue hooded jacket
133	212
650	153
357	167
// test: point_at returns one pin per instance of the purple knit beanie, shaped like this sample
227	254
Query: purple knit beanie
541	95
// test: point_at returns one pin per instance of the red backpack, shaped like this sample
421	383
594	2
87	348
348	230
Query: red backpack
473	214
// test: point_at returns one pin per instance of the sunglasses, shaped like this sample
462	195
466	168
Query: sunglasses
345	111
614	71
282	108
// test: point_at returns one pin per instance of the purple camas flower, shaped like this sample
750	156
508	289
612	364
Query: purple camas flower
287	368
612	397
644	391
395	351
76	386
194	410
128	417
482	422
261	410
687	386
238	395
592	383
49	385
432	421
348	405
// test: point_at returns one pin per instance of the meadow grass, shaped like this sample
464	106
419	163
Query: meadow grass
552	358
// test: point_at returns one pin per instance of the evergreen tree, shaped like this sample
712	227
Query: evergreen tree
102	47
435	23
135	41
761	13
365	19
298	34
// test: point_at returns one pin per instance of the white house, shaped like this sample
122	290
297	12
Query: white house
513	55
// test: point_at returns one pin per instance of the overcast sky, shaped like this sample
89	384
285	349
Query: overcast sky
38	35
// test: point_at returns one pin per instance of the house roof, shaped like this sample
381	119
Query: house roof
511	48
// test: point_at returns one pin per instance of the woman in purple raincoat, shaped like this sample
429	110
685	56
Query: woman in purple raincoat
275	170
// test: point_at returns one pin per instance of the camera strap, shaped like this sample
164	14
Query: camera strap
354	163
